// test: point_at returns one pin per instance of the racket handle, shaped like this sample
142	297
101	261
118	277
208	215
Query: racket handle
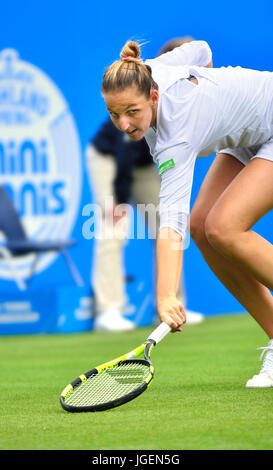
160	332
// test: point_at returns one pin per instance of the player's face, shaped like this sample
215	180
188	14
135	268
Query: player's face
132	112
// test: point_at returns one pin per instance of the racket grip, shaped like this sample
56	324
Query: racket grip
160	332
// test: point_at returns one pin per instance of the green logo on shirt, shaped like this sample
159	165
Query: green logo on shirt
166	166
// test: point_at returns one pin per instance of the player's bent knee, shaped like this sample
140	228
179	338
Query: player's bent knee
219	234
197	228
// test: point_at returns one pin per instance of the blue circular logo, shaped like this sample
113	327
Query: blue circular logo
40	155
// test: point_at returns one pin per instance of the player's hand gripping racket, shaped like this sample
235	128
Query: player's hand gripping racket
116	382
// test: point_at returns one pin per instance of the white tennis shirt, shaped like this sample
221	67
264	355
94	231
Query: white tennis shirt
231	107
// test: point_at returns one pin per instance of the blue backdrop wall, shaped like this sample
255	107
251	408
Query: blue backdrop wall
51	65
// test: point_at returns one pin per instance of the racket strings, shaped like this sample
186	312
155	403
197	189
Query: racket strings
110	384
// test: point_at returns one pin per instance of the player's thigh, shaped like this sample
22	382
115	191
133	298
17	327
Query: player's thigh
221	173
245	201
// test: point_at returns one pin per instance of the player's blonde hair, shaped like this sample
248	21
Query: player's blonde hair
128	71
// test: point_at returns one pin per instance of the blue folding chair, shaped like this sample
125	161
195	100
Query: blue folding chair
17	243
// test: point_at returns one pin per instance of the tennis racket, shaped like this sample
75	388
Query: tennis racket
116	382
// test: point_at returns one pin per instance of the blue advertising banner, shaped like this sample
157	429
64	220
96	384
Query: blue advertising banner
42	170
52	58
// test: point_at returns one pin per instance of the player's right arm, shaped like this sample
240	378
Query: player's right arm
169	263
175	192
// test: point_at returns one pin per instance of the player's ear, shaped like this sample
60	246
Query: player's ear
154	95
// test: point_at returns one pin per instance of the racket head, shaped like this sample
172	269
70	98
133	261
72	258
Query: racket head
103	388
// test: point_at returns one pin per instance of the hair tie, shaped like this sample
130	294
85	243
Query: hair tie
128	56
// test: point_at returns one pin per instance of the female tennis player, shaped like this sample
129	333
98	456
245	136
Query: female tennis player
186	111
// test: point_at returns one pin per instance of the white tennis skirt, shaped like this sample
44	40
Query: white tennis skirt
245	154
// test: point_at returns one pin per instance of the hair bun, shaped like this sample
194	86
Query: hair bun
130	51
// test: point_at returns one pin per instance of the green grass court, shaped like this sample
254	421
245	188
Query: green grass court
197	400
